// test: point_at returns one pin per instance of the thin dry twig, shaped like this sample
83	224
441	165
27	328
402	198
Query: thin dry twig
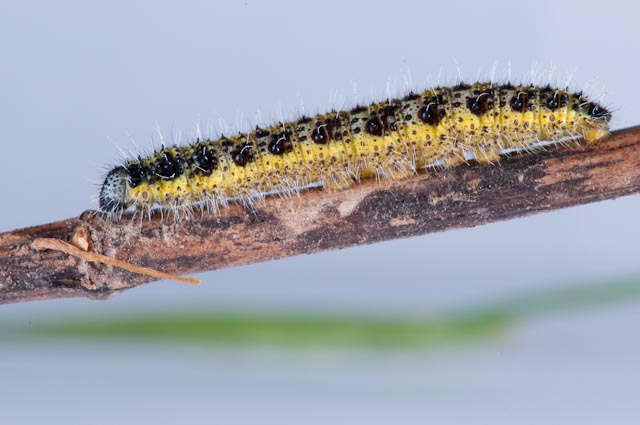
42	244
370	212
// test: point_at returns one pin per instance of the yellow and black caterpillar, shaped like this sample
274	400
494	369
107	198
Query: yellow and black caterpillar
392	139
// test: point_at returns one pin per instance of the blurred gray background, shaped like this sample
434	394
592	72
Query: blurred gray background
79	78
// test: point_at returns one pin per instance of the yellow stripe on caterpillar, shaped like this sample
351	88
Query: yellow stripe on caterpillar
391	139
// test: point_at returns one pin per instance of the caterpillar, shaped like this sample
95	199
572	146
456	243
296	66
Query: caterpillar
393	139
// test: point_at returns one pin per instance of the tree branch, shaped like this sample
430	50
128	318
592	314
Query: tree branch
370	212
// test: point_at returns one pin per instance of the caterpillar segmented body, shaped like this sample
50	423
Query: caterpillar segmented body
393	139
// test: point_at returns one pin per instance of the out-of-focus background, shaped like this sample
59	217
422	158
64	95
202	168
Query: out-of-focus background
528	321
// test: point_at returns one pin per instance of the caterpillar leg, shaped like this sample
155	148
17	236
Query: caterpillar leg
487	154
397	167
338	181
594	134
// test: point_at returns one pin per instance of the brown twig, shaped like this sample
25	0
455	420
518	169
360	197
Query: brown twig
369	212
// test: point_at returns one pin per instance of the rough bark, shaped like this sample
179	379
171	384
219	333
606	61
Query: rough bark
370	212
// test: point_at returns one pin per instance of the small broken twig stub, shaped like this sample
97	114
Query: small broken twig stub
369	212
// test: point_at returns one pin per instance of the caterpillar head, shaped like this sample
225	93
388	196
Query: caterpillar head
596	122
113	192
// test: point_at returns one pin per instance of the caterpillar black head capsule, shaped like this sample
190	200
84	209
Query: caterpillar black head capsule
113	191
